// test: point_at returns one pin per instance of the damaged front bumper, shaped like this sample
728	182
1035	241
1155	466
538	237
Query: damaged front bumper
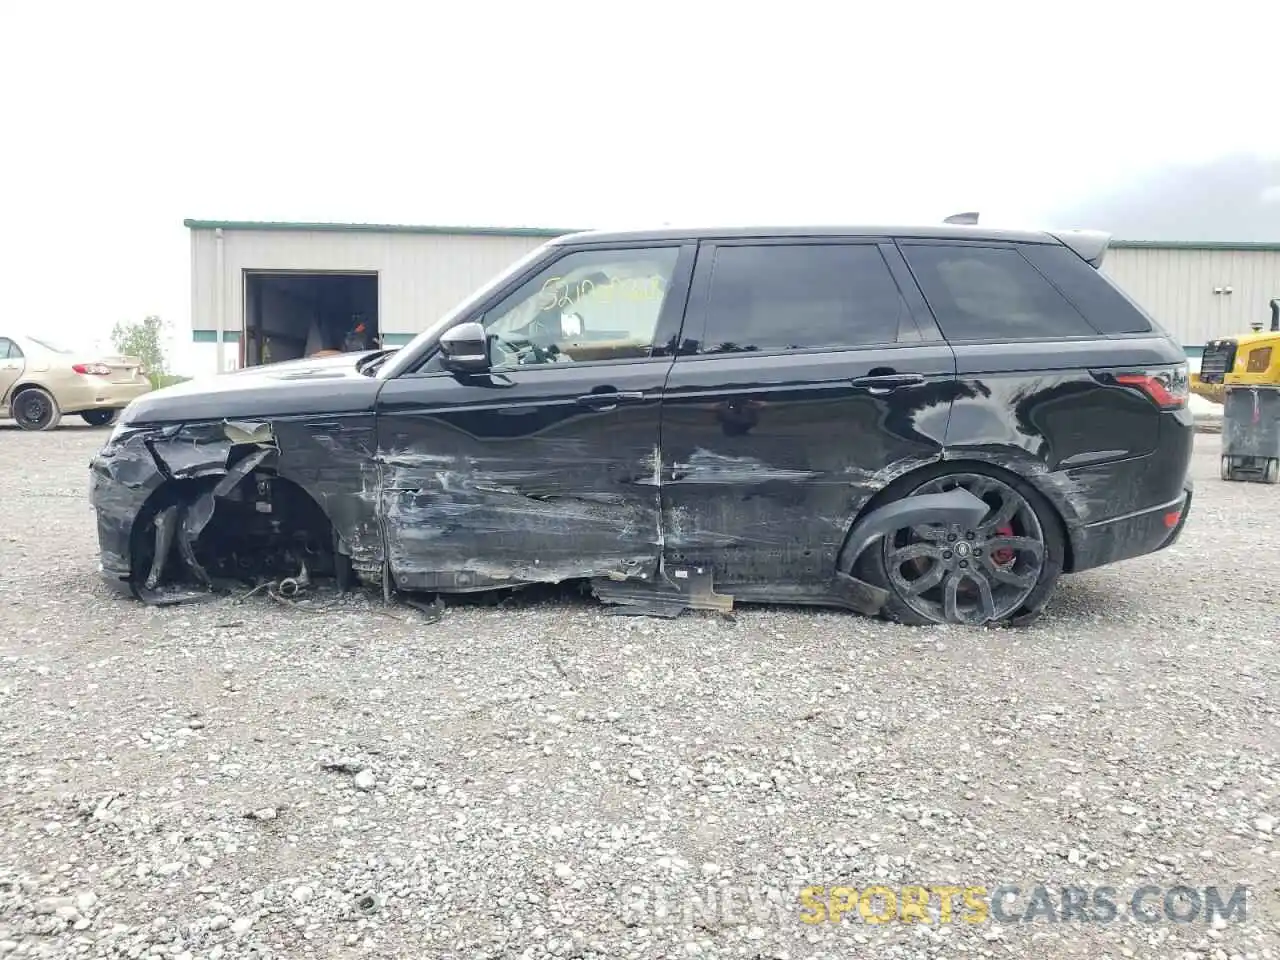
156	492
122	478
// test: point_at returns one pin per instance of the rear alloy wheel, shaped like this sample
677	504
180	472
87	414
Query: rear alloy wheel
98	418
35	409
1000	570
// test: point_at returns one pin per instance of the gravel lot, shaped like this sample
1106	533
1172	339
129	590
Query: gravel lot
236	780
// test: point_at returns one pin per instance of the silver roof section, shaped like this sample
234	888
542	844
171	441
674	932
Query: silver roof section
1090	245
935	232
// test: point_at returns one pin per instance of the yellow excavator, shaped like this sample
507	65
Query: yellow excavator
1247	368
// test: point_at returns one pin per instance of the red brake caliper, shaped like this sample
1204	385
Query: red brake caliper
1004	556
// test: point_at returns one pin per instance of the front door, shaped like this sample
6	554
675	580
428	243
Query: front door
11	366
546	467
810	376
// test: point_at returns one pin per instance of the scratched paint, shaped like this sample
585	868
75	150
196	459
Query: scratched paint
706	466
538	491
479	518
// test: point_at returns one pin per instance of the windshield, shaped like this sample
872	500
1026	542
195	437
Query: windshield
52	348
409	355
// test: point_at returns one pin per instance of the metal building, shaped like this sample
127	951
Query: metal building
1198	291
262	292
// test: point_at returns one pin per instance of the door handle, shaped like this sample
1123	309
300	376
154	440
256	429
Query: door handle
888	382
607	401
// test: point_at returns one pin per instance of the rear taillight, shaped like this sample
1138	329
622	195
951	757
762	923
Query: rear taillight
94	369
1168	388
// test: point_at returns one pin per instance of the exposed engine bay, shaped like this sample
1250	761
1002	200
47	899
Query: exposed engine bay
221	518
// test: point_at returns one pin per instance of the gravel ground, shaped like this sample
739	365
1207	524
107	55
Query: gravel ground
544	779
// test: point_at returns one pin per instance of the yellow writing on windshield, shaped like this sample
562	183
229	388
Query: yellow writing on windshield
557	292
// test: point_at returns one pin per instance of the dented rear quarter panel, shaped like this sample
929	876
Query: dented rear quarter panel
1096	451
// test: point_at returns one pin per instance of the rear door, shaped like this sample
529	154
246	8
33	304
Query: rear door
11	366
545	468
807	378
1037	368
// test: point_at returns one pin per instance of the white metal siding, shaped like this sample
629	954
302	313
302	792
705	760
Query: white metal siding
420	276
203	276
1176	287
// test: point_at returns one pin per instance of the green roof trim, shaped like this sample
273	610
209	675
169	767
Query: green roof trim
1259	245
374	228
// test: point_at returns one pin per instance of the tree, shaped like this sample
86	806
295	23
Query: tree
144	340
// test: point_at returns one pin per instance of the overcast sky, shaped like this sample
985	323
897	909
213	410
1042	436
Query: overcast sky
121	119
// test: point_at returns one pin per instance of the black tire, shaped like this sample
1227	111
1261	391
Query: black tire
35	409
99	418
1014	556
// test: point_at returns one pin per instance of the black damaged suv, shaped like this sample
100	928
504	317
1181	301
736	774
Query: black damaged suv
929	423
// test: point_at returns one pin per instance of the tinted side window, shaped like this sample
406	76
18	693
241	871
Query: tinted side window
991	293
1094	295
798	296
9	350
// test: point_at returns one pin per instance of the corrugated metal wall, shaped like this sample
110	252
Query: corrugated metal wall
420	276
1176	286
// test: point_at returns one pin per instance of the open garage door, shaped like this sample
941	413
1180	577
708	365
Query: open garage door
292	315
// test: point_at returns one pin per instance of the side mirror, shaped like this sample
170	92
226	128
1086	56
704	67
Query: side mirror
465	349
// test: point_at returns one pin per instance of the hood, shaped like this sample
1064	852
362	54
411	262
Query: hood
308	366
290	388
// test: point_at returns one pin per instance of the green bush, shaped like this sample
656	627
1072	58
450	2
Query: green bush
159	380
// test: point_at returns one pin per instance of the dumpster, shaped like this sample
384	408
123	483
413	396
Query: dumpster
1251	434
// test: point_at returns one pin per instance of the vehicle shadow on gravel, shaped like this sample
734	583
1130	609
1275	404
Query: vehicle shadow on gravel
66	424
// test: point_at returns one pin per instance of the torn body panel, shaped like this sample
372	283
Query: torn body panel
537	475
507	484
212	503
122	479
264	468
676	590
332	459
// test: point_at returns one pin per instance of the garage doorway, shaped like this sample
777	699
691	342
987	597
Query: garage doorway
288	316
